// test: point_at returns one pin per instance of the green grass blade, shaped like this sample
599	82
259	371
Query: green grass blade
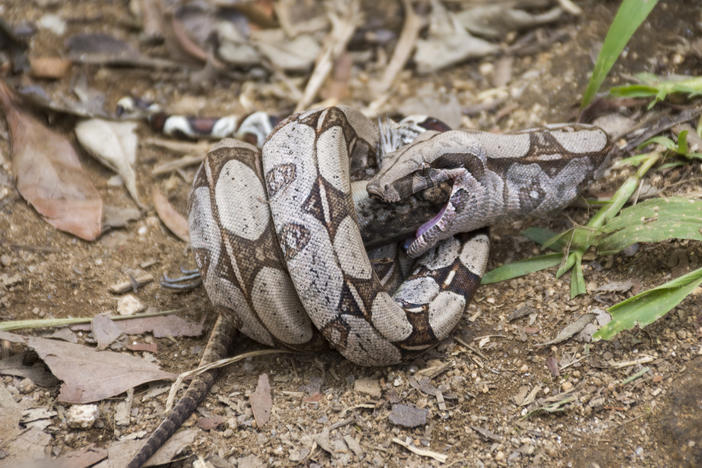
653	220
521	268
629	17
649	306
538	235
577	279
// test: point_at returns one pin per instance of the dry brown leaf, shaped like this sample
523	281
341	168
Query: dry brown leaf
81	458
115	145
121	452
89	375
571	329
49	174
105	330
36	372
161	326
11	412
173	220
261	400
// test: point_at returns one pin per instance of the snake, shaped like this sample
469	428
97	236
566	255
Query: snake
279	242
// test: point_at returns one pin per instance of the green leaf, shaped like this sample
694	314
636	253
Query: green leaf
577	279
653	220
635	160
654	86
538	235
665	142
521	268
649	306
629	17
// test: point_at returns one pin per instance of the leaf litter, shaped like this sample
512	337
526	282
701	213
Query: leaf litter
481	388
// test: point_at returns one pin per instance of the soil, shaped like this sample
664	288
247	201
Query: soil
485	374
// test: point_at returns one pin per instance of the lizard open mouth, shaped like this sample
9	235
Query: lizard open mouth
430	232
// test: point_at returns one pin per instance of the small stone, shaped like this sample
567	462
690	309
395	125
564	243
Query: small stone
53	23
26	386
368	386
129	305
82	416
115	181
499	456
9	281
408	416
6	260
250	461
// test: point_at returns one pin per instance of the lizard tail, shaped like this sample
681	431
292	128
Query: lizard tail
217	347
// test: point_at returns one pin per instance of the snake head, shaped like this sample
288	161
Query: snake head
454	160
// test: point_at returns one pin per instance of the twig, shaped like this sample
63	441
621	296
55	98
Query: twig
170	166
440	457
216	365
10	325
635	376
635	362
335	44
405	44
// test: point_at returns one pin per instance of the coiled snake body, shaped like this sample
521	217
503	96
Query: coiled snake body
276	235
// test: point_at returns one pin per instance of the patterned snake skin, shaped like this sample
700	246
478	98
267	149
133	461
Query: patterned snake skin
276	235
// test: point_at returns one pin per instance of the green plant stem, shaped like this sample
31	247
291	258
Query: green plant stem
582	237
64	322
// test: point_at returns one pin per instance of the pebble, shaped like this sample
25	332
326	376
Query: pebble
82	416
566	386
129	305
26	386
368	386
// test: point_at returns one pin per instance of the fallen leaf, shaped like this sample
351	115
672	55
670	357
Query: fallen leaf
368	386
26	448
114	144
173	220
117	217
161	326
105	330
261	401
11	412
408	416
447	43
36	372
121	452
89	375
323	441
571	329
49	174
297	54
81	458
498	20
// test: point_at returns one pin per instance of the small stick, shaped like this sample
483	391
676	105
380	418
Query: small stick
335	44
440	457
405	44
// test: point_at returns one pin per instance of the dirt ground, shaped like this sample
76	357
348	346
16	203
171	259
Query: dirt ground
327	411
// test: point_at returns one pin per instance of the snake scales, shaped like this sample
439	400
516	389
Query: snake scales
276	236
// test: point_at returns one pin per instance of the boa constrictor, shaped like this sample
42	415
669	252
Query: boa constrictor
276	235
